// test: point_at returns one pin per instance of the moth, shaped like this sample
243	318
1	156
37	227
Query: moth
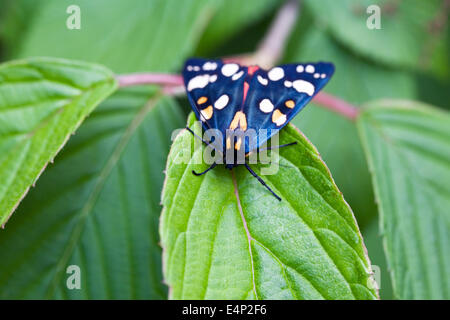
234	99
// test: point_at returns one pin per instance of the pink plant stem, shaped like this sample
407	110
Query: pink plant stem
336	105
162	79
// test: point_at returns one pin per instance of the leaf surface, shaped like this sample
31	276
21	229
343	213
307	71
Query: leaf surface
410	33
42	102
97	206
407	145
145	36
225	236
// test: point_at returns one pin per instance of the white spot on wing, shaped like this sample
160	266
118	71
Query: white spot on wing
266	106
303	86
276	74
310	68
198	82
288	84
222	102
316	75
323	75
209	66
300	68
229	69
213	78
205	115
196	68
281	120
237	75
262	80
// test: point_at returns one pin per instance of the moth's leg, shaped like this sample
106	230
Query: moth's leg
211	143
202	173
261	181
197	136
280	146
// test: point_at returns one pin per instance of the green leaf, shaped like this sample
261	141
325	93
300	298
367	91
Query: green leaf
406	37
95	207
146	36
408	148
42	102
224	236
335	137
98	206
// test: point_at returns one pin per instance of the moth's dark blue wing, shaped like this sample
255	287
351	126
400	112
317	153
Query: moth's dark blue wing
214	90
272	98
277	95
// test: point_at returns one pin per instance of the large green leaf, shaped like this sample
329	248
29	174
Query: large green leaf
98	205
224	236
406	37
335	137
42	102
95	208
408	148
145	36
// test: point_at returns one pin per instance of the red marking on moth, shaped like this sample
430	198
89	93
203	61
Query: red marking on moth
246	86
252	70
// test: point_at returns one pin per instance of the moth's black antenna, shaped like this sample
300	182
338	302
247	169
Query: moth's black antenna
202	173
204	141
261	181
280	146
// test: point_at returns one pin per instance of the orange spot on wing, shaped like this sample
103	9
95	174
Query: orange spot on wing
238	144
239	120
290	104
202	100
207	112
278	117
228	143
